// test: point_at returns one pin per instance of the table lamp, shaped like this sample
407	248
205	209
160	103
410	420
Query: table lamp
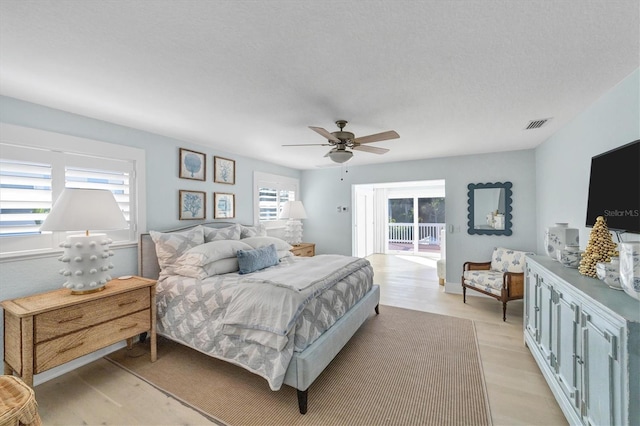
294	211
86	257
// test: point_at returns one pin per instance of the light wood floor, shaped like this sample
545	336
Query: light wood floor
101	393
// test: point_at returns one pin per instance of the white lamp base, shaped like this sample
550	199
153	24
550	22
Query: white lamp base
87	262
293	232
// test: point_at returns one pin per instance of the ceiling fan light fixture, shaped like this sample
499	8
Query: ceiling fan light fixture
340	156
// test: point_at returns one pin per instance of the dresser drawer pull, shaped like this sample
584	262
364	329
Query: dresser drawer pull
128	327
70	319
70	348
126	303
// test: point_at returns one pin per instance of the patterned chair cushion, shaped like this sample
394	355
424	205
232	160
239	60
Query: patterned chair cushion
490	281
506	260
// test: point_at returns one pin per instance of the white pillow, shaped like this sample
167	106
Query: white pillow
217	267
257	242
284	253
253	231
171	245
210	252
227	233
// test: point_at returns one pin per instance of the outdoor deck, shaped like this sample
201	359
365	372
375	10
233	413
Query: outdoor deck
422	248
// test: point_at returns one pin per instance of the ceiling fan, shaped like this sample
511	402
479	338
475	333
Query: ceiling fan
341	140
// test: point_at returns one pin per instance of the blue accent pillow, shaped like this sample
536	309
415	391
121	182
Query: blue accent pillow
260	258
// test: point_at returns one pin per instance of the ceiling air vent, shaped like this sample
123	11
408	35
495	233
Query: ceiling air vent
536	124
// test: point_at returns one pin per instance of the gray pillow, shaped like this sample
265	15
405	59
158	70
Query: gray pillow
171	245
228	233
253	231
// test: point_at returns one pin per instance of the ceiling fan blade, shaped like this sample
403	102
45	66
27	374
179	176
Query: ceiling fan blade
391	134
309	144
371	149
324	133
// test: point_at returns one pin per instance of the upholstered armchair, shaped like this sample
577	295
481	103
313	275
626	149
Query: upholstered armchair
502	278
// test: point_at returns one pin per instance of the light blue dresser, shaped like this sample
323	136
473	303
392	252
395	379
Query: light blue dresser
585	338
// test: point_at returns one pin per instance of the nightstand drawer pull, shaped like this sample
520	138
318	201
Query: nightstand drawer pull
61	351
70	319
128	327
131	302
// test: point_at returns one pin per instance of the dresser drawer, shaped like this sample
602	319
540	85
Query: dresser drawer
59	322
66	348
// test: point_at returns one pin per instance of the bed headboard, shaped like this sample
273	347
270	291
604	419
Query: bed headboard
148	261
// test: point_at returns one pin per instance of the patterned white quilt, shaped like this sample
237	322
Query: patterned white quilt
193	312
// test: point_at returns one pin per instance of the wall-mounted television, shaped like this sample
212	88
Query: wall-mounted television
614	188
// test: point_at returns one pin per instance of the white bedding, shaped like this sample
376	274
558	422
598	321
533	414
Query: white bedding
195	312
265	304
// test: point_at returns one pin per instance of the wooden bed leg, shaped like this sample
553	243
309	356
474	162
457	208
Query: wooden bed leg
302	401
377	308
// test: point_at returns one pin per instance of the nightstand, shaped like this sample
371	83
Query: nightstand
304	250
45	330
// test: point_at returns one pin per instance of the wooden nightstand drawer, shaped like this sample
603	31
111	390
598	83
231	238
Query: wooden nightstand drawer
304	250
52	324
66	348
48	329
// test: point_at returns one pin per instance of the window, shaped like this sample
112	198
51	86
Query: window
33	175
272	192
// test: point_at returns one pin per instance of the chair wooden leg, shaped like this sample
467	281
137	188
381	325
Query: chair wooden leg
504	311
464	294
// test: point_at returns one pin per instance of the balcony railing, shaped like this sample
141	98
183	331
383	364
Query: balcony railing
428	233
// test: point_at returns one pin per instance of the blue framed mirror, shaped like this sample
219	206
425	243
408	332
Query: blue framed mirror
489	210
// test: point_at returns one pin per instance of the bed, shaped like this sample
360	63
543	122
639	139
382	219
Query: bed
225	315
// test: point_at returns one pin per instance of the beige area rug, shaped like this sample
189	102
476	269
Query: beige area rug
402	367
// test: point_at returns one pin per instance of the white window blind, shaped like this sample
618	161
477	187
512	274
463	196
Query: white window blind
25	196
32	177
272	192
271	201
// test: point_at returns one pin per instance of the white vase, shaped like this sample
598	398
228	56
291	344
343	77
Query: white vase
558	236
612	273
569	256
630	268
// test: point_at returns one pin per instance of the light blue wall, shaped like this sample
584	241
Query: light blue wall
322	191
549	184
23	277
563	162
161	156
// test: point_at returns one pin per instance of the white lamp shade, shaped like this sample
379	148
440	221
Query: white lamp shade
293	210
83	210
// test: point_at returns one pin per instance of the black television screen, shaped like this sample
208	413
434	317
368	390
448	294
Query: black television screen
614	188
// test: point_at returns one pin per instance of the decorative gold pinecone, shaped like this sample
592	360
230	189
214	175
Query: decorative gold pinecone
599	249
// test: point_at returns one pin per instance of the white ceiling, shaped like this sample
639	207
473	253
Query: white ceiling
451	77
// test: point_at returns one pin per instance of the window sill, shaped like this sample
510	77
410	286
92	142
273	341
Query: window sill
41	254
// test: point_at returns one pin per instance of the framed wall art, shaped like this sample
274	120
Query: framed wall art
193	165
224	205
224	170
192	204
